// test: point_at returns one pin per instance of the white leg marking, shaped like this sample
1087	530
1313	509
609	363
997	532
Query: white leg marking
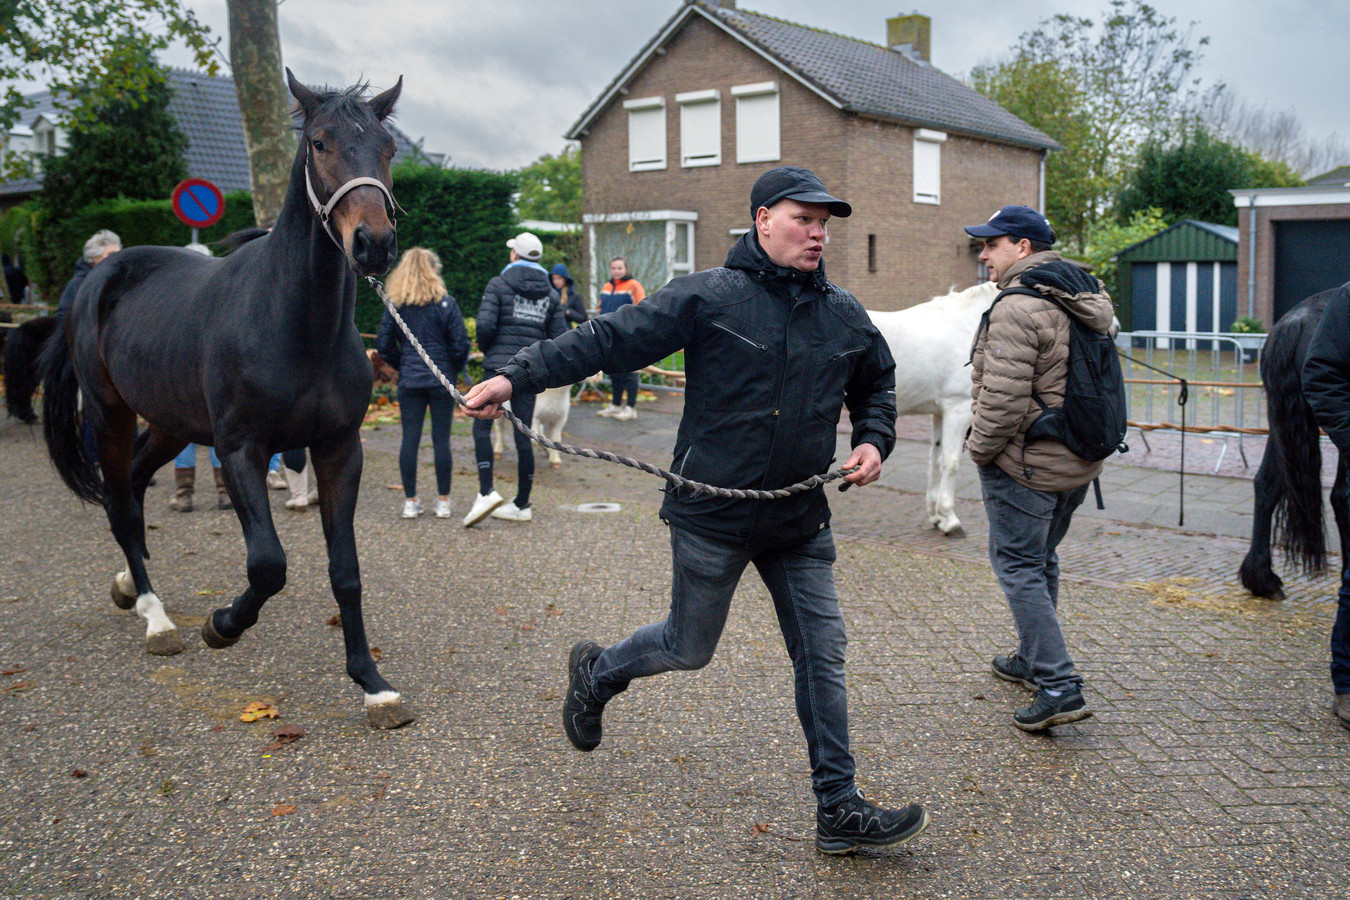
125	584
382	698
149	608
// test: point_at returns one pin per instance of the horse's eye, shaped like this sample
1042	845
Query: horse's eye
318	145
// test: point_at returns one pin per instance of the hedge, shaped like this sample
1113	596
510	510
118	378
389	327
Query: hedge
464	215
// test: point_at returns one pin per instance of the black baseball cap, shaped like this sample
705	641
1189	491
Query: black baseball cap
1015	221
794	183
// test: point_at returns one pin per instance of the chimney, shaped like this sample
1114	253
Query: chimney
909	35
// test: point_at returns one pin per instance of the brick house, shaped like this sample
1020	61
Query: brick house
672	146
1294	242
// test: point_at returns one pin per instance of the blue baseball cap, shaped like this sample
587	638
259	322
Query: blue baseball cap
1015	221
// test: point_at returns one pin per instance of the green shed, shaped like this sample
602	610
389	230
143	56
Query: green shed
1182	279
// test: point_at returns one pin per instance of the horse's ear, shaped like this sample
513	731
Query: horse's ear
383	104
307	99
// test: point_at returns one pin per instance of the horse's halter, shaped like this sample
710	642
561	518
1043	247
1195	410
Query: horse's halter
325	210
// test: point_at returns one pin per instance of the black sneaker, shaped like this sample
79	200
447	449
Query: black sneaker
581	711
1015	669
1046	711
857	823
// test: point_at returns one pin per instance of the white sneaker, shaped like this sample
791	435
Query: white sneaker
610	410
442	509
482	507
513	513
275	480
412	509
628	412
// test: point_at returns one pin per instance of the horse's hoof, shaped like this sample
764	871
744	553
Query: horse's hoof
555	465
164	643
388	715
121	600
214	639
956	532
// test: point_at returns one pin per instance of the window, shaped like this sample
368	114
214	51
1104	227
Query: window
646	133
700	128
757	123
928	165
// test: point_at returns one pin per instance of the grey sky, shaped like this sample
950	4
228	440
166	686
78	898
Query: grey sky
496	84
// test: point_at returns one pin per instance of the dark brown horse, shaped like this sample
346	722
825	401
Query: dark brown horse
254	353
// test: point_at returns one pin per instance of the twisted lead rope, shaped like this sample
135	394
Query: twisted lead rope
677	480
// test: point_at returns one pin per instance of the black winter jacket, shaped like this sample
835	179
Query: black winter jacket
72	287
439	328
519	307
771	354
1326	371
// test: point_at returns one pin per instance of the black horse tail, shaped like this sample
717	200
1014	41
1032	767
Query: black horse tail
23	351
61	421
1299	525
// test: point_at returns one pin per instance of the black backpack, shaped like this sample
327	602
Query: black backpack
1091	423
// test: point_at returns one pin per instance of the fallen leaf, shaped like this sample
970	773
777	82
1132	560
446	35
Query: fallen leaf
256	710
335	621
283	735
14	671
376	653
17	687
283	809
79	773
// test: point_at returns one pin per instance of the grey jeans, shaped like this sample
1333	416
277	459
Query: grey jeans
1025	528
800	579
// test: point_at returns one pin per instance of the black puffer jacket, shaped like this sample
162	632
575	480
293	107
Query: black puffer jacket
439	328
519	307
770	356
1326	371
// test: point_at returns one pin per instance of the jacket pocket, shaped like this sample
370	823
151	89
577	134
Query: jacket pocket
734	333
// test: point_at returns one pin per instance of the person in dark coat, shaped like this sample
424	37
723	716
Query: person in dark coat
101	245
519	308
574	308
773	351
16	281
1326	385
415	287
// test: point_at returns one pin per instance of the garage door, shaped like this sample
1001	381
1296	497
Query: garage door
1310	256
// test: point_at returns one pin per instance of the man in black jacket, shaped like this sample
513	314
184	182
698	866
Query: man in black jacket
519	307
772	349
1326	385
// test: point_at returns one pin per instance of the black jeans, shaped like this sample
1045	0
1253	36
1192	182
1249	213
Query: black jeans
413	404
624	382
523	406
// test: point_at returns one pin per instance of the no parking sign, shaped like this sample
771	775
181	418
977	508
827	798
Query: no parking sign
197	203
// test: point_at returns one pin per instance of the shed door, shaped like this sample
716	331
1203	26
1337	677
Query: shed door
1310	256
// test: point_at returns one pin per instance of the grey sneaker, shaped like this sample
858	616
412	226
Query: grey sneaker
581	710
857	823
1015	669
1046	711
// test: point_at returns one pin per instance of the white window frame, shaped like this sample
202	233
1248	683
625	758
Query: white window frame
756	139
700	128
928	165
646	113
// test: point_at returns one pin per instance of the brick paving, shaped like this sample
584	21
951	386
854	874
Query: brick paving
1212	768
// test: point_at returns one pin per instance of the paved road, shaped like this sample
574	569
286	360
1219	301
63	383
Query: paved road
1213	768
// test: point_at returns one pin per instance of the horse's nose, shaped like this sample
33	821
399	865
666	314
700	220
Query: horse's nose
373	252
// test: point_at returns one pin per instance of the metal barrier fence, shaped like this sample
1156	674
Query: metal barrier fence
1226	400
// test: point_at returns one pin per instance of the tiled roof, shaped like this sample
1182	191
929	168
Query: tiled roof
207	111
855	76
1338	177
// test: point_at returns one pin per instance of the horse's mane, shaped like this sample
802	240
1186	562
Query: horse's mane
983	292
231	242
348	103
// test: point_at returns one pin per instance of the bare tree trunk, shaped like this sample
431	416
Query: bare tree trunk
255	56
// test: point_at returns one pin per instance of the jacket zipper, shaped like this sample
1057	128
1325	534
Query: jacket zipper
839	356
729	331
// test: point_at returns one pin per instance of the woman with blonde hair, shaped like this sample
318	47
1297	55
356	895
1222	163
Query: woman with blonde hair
433	316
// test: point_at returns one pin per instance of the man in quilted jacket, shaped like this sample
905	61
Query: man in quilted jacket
1030	489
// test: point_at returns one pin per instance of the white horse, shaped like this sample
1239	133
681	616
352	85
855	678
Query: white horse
551	409
931	345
